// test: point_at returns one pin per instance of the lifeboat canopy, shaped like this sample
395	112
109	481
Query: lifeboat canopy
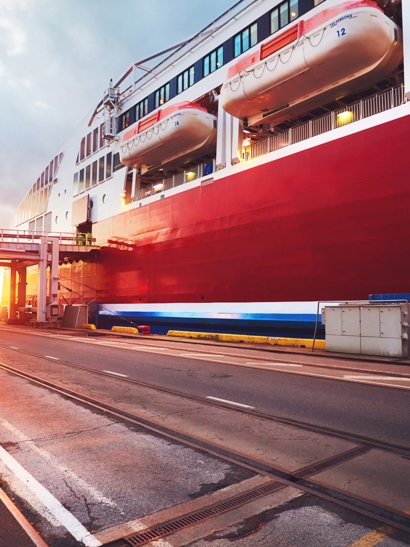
339	50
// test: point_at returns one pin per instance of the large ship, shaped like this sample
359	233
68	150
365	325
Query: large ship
259	168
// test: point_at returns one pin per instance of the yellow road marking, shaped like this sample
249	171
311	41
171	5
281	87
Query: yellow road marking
373	538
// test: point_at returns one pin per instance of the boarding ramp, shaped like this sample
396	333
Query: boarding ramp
20	249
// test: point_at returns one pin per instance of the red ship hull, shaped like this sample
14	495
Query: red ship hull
327	223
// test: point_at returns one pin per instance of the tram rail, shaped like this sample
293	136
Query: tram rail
299	478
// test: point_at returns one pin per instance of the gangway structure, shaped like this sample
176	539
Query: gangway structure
20	249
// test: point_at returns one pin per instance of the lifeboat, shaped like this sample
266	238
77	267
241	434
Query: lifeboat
178	132
341	49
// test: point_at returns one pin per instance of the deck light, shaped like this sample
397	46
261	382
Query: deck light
344	118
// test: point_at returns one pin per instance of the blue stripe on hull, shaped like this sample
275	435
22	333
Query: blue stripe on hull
285	325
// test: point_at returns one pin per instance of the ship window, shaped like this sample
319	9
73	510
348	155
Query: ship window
82	149
87	177
75	184
213	61
116	163
141	109
101	135
81	183
294	9
47	223
88	144
101	169
45	177
51	171
245	39
125	120
95	140
108	165
162	95
206	65
39	224
94	175
186	79
284	14
32	225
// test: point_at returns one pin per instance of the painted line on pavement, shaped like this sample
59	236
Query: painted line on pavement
51	357
374	537
397	378
201	355
116	373
152	349
67	519
230	402
273	364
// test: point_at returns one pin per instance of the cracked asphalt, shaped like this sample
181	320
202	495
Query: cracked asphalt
115	477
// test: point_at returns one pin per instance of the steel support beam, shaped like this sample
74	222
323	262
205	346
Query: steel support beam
12	292
55	248
42	282
21	287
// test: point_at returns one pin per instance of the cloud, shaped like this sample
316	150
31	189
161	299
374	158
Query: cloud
41	104
13	37
60	56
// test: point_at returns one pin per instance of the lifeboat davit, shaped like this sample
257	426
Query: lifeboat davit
343	48
180	131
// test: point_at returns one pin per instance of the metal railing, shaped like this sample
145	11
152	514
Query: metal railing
33	236
365	108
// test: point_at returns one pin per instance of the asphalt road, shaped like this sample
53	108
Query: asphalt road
374	411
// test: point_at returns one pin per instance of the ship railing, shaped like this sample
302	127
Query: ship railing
360	110
193	173
33	236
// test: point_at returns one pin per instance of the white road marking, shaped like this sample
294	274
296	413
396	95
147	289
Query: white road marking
51	357
116	373
99	496
231	402
201	355
397	378
67	519
151	348
273	364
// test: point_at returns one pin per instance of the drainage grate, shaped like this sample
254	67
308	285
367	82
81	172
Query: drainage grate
190	519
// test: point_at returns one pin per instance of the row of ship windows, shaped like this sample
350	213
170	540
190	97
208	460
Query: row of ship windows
283	14
41	224
94	173
91	143
33	205
47	176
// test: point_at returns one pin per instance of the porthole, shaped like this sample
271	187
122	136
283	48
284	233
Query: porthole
66	214
56	220
104	198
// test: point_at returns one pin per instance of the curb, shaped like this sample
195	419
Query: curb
248	339
127	330
88	326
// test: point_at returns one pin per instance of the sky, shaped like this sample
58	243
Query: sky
56	60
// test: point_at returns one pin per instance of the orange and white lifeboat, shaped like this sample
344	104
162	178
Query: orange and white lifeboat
176	132
342	48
